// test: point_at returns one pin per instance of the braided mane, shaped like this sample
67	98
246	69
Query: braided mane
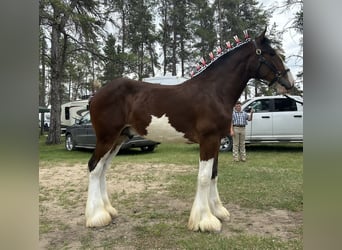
216	59
230	48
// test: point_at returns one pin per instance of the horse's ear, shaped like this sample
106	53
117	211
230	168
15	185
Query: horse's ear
261	37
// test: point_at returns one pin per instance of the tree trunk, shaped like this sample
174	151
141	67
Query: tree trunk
54	135
43	76
174	47
152	58
182	55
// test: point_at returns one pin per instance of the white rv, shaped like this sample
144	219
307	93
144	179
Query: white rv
166	80
71	111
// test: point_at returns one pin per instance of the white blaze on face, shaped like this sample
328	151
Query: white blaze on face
160	129
289	75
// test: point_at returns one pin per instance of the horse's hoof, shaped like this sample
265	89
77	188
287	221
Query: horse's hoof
210	224
222	214
112	211
207	224
100	219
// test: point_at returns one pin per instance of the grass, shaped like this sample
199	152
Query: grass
272	178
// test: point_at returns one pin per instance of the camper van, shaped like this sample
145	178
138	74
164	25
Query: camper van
72	111
165	80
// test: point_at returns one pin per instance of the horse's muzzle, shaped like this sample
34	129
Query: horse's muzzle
285	83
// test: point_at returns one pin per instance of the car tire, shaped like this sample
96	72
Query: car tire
226	144
147	148
69	143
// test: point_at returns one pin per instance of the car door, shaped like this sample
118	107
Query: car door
80	131
91	137
88	131
287	119
260	128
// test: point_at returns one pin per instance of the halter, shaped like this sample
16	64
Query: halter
278	74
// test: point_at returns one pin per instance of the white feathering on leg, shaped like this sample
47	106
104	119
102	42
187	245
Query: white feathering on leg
201	217
215	202
96	214
111	210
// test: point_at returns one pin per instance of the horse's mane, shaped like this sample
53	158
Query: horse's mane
230	51
220	57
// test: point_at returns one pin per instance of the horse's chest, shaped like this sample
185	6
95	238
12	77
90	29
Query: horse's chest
160	129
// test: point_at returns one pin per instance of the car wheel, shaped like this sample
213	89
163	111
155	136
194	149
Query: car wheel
226	144
69	144
147	148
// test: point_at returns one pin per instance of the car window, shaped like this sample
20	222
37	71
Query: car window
262	105
85	119
284	105
67	113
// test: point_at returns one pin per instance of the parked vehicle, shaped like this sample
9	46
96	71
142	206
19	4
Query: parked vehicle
165	80
44	120
82	135
276	119
72	111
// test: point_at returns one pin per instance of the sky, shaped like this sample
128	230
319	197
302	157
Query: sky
290	38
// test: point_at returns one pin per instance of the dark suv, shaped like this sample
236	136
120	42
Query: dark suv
82	135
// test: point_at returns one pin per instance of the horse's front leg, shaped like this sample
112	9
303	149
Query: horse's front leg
201	217
215	203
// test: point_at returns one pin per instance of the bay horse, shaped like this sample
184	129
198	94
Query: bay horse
200	108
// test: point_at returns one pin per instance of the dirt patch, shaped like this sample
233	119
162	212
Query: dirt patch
136	190
275	223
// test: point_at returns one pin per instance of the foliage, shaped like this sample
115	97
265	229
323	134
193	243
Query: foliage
114	60
64	23
297	24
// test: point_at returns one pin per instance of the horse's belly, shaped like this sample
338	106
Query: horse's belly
161	130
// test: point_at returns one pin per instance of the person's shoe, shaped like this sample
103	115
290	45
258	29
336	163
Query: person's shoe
243	159
235	160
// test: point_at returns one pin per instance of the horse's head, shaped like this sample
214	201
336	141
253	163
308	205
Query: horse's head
270	65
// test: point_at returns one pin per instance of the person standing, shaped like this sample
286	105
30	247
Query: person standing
237	130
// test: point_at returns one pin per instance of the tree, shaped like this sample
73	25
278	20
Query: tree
234	16
141	36
62	20
298	25
42	70
114	62
122	9
202	27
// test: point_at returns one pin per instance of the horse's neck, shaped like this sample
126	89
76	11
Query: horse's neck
228	80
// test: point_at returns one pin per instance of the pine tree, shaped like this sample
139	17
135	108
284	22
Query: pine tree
80	21
141	36
202	27
114	64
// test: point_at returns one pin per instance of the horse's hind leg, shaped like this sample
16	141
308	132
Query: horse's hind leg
111	210
96	214
99	212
